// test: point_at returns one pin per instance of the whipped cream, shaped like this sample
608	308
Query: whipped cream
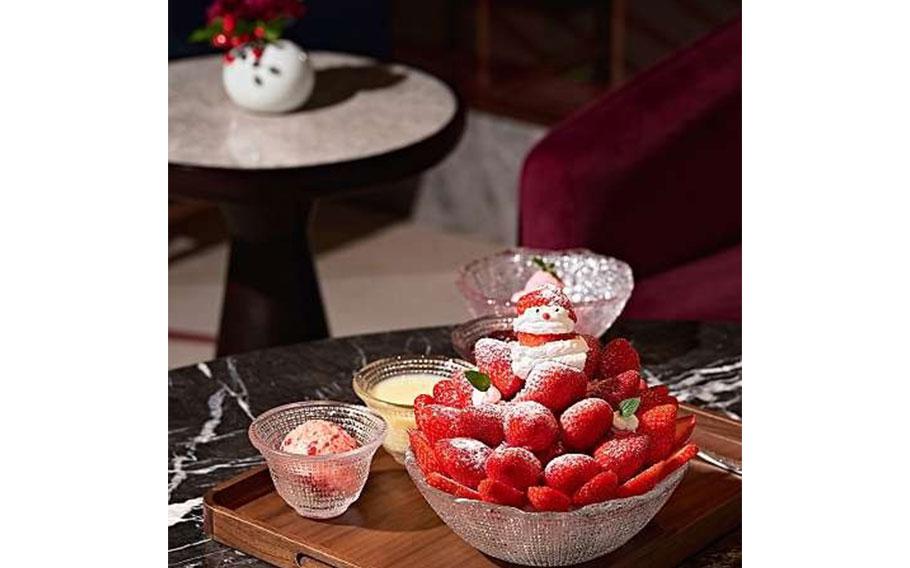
628	423
542	320
571	352
490	396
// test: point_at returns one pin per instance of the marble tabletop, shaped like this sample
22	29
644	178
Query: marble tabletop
210	406
359	108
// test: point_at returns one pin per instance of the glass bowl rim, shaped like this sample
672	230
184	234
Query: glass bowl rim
366	396
367	448
472	291
509	510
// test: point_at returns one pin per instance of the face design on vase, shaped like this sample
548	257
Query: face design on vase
281	80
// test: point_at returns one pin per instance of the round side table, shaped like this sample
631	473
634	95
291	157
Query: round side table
367	123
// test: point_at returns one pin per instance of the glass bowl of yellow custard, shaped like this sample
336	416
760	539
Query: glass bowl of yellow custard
389	386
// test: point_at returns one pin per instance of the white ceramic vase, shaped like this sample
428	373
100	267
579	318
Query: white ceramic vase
280	81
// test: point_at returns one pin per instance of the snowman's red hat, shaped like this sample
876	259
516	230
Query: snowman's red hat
547	295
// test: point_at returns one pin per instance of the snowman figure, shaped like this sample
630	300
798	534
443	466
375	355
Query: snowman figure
545	332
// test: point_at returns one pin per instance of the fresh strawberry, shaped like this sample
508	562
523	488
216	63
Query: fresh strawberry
546	295
684	427
585	422
494	359
659	424
462	459
592	360
654	396
617	388
678	459
570	471
493	491
451	486
618	356
451	393
600	488
423	452
544	498
516	467
643	482
437	421
534	339
530	425
623	455
554	385
482	423
423	400
551	453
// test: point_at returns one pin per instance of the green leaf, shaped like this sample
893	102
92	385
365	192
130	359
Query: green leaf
479	380
274	28
547	267
207	32
629	406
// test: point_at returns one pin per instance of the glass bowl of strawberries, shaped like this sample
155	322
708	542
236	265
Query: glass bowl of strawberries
599	286
554	538
571	456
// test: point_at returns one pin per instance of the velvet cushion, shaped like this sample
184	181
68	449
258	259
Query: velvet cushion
651	173
709	289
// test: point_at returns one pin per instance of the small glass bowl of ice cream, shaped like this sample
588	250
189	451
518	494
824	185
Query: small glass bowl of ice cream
318	453
390	386
598	286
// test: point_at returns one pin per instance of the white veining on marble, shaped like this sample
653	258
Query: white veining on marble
242	395
176	512
204	369
205	435
188	545
241	462
716	387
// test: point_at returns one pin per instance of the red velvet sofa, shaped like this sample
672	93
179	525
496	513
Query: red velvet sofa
651	174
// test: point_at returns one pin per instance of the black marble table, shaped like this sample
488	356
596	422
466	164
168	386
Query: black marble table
210	406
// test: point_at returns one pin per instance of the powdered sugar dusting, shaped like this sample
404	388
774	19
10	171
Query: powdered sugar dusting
546	295
526	409
586	404
541	374
569	461
488	350
470	452
568	352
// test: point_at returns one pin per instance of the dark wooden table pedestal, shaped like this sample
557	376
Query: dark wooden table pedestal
272	293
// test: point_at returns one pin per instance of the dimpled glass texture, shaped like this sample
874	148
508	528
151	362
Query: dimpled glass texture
400	417
318	487
546	539
466	334
599	286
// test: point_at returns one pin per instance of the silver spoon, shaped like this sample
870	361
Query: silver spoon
724	463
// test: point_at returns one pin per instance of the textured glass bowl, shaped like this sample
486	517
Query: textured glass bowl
466	334
318	487
400	417
546	539
599	286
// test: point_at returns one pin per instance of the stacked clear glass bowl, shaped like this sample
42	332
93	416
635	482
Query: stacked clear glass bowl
599	286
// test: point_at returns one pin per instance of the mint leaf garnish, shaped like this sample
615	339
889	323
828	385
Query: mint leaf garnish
547	267
480	381
629	406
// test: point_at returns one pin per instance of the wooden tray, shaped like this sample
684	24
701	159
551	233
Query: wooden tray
392	525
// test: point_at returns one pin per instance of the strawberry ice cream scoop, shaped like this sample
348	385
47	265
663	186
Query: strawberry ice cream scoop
318	438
